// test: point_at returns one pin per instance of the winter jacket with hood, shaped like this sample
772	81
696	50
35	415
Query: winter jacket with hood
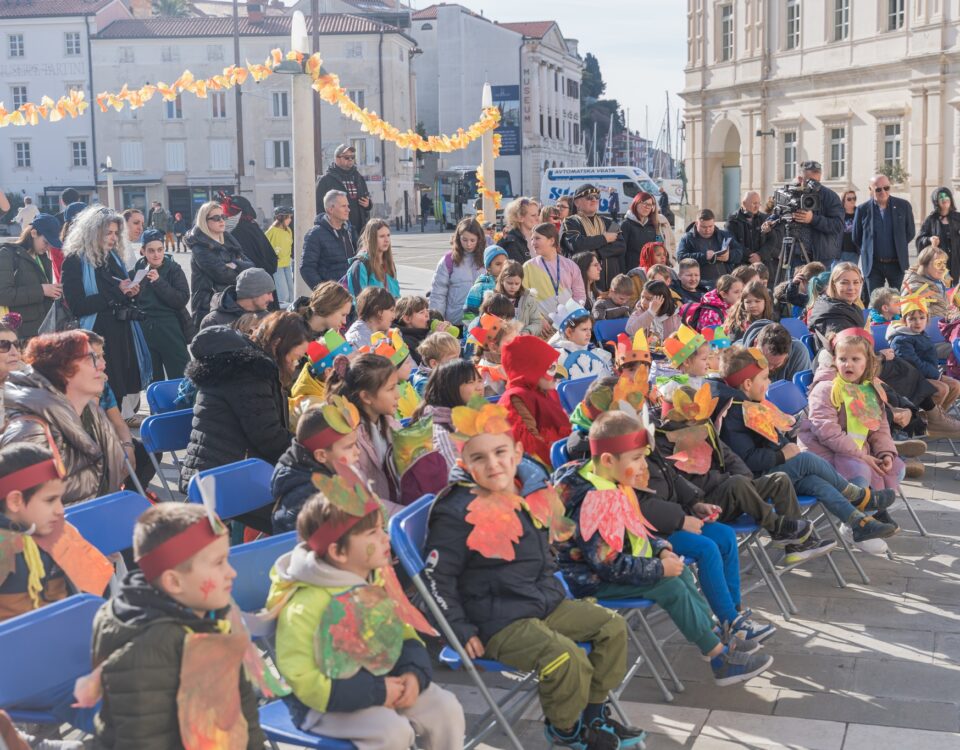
692	245
94	466
254	244
327	252
225	309
636	235
610	254
451	284
360	275
292	485
713	310
14	592
138	639
240	410
479	595
915	348
311	585
21	290
351	182
949	233
934	294
797	361
208	268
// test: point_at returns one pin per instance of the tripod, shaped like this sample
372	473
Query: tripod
787	250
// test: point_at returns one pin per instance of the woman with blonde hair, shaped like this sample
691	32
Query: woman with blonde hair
98	290
519	217
373	265
215	258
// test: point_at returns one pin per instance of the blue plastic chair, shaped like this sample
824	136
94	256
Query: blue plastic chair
787	397
795	327
167	433
253	561
276	723
803	380
608	330
866	315
43	651
810	341
933	330
571	392
161	395
239	488
879	332
107	522
558	453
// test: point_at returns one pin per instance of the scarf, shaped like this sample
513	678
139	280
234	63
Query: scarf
593	226
861	404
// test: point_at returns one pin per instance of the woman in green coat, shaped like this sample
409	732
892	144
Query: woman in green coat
26	276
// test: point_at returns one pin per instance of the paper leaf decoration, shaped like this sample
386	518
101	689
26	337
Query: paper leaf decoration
11	545
409	399
766	419
633	388
405	609
692	451
547	511
341	414
496	526
83	564
864	404
479	416
346	490
411	442
208	703
360	629
208	492
268	682
612	513
697	408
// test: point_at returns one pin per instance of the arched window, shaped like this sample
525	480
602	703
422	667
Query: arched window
427	27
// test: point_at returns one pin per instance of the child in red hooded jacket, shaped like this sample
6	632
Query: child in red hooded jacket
533	406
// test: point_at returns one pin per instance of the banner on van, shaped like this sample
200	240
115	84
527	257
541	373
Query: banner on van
507	100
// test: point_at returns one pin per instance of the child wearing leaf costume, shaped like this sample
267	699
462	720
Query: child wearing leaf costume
327	436
757	430
616	554
578	356
310	387
174	669
492	570
490	334
392	346
345	637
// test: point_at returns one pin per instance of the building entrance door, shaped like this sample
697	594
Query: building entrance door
731	191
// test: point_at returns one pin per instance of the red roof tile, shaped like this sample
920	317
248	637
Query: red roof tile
531	29
430	12
36	8
160	28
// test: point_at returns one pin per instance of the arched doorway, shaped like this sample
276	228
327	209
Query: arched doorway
722	192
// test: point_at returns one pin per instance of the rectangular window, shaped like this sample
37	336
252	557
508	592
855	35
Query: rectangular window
726	32
176	156
358	97
126	55
282	200
789	154
221	151
576	134
131	156
218	101
360	146
278	154
71	41
841	20
573	88
838	153
281	104
214	52
15	45
19	96
21	150
174	110
793	24
891	144
79	152
895	14
169	53
353	49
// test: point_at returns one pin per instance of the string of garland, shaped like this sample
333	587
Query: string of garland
327	85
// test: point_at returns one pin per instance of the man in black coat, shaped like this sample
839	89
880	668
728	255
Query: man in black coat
746	226
716	250
586	230
343	175
883	228
330	244
822	232
251	238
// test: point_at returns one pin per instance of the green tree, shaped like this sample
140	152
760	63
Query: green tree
593	84
172	8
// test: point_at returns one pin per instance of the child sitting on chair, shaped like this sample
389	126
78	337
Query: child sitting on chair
494	259
376	311
493	574
578	357
632	561
617	302
378	692
434	350
884	305
489	335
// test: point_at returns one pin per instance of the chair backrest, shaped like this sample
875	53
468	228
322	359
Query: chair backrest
161	395
787	397
796	327
239	487
879	331
107	522
956	349
408	534
809	341
164	433
571	392
933	330
608	330
866	315
803	380
558	453
253	561
45	649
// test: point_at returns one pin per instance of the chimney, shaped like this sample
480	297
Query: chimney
255	11
141	8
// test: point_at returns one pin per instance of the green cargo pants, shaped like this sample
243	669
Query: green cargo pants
568	678
741	494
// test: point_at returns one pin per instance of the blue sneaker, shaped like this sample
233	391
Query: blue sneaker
747	629
628	736
733	666
594	737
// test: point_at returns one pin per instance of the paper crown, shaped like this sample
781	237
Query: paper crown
342	418
681	344
753	368
716	336
563	310
349	494
636	350
323	351
390	345
479	417
43	471
642	439
847	333
488	326
915	301
689	405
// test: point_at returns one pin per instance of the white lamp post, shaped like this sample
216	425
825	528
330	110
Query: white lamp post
109	171
486	148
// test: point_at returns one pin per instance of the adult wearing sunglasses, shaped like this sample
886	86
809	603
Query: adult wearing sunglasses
883	228
9	352
344	176
216	258
941	229
587	230
849	253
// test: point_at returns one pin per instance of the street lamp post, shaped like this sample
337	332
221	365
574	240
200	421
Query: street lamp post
486	148
109	171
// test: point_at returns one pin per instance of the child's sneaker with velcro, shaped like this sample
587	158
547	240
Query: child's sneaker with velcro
747	629
813	547
582	738
628	736
790	531
876	500
733	666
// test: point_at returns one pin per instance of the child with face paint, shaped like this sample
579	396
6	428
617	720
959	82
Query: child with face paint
636	561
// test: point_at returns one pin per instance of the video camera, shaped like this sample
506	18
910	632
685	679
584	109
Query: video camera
793	197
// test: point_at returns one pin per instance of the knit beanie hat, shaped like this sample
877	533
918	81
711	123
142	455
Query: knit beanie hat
492	252
526	359
253	282
151	235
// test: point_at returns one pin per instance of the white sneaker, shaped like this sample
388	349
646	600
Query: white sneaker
870	546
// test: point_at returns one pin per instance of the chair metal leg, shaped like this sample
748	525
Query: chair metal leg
133	475
913	514
659	650
163	479
771	587
841	581
642	657
847	548
776	574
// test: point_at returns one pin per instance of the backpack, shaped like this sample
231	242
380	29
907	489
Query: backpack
690	313
412	463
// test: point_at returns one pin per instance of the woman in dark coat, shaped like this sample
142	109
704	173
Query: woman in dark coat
100	294
942	229
26	274
251	238
216	258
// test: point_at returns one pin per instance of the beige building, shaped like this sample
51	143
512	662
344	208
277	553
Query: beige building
854	84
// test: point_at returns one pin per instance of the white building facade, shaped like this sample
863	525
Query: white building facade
182	153
857	85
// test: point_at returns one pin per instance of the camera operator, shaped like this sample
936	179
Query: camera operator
820	232
882	228
717	251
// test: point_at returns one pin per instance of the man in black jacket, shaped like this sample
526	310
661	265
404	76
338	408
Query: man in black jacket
343	175
587	230
746	226
716	250
331	243
822	232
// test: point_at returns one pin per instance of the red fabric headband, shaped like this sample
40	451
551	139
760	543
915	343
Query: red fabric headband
328	533
322	440
848	332
619	444
735	380
28	477
177	549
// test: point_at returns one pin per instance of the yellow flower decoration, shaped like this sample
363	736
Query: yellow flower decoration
478	417
692	407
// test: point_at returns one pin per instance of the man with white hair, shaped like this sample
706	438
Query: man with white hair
27	213
331	243
883	228
746	227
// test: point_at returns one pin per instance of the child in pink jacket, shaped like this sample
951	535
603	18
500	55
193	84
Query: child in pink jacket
711	310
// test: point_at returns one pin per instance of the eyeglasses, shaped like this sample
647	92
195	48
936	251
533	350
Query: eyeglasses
851	198
347	157
218	217
882	188
5	346
96	359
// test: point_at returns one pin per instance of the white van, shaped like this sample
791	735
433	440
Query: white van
628	181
